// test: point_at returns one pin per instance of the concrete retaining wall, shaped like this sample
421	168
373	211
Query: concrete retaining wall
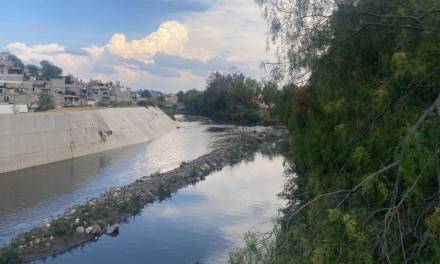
33	139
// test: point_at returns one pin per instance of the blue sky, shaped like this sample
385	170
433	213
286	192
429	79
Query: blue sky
80	23
166	45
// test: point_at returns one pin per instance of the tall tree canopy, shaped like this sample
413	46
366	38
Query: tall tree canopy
16	61
228	97
50	70
363	108
33	70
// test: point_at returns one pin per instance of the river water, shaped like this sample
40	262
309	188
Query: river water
198	224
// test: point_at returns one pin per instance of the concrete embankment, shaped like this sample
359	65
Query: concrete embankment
28	140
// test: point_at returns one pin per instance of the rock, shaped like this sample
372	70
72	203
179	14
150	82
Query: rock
80	230
45	223
96	229
37	241
77	221
112	229
47	244
89	229
51	237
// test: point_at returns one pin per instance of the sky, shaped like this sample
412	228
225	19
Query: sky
165	45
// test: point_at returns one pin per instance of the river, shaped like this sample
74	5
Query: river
198	224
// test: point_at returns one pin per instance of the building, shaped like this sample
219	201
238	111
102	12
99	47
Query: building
100	93
20	88
171	98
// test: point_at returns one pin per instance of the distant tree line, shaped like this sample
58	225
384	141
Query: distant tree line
230	97
46	71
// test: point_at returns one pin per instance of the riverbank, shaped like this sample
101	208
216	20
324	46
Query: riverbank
89	221
35	139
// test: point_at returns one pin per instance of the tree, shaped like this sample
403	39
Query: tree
271	92
180	96
33	70
16	61
228	97
192	101
49	70
145	94
363	108
45	102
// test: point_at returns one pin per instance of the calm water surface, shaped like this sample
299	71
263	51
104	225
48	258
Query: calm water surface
198	224
29	196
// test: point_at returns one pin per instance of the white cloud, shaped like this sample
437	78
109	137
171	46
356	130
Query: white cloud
178	55
169	38
232	28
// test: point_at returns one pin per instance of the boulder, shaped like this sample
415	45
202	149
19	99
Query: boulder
80	229
96	229
45	223
112	229
89	230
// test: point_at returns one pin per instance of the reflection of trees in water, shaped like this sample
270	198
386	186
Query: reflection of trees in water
275	150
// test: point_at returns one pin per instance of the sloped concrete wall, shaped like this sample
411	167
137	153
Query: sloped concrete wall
28	140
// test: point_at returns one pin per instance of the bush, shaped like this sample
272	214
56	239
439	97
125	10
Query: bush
45	102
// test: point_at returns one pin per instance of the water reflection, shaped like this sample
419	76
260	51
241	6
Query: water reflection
199	224
29	196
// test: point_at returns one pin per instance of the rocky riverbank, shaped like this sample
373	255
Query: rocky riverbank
87	222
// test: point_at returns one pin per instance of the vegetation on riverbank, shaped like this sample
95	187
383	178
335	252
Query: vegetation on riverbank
363	110
148	100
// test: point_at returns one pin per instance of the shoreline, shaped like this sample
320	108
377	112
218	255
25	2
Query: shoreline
86	222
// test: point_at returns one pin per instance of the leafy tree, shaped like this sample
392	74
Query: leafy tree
161	99
362	106
228	97
192	101
45	102
180	96
33	70
270	92
49	70
145	94
15	60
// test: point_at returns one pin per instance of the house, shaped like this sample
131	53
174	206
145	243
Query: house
171	98
19	87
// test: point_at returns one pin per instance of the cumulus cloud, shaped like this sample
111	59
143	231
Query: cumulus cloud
178	55
169	38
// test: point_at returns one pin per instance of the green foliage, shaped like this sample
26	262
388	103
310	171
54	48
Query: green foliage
228	98
168	110
148	102
61	228
9	255
16	61
33	70
180	96
193	102
145	94
49	70
45	102
373	72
